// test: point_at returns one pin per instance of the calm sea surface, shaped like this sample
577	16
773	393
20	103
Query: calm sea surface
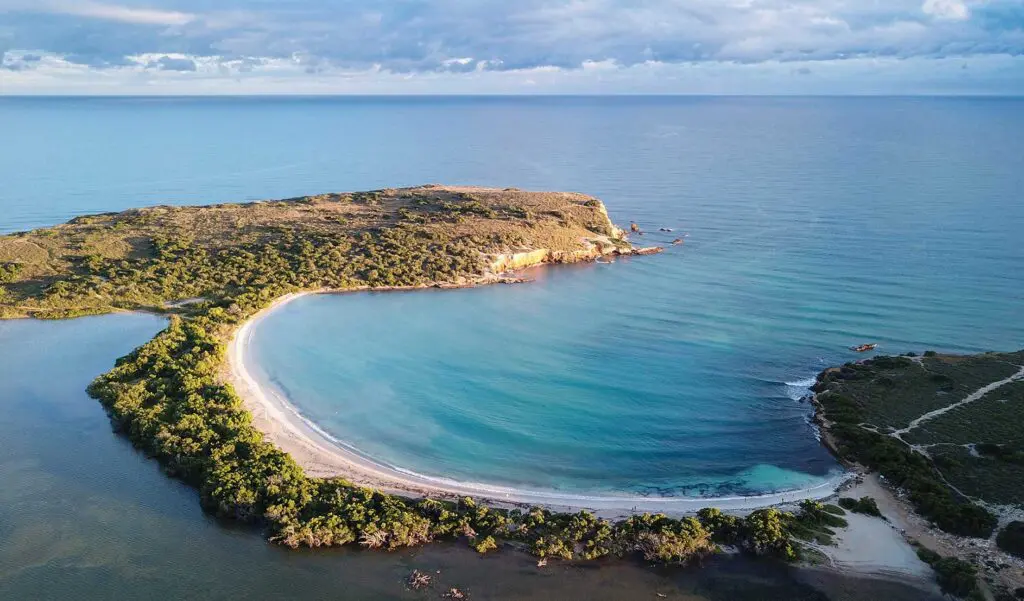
812	224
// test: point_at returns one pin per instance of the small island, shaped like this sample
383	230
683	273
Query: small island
942	431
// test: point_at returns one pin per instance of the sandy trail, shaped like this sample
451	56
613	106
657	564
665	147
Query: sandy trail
974	396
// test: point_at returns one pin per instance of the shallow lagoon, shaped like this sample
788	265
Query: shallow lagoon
523	387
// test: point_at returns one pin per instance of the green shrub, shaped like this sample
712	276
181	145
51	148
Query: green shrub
955	576
927	555
865	505
764	533
814	514
833	509
1011	539
725	529
9	272
485	544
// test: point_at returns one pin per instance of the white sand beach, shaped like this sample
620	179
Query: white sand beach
873	545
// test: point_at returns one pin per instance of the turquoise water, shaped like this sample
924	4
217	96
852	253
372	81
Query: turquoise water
813	224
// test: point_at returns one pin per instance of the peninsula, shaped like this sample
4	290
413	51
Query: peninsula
212	268
185	398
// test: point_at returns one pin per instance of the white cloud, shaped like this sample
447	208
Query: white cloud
605	65
148	74
954	10
597	40
108	12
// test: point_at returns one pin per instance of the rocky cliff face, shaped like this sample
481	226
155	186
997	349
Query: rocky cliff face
612	241
590	250
616	233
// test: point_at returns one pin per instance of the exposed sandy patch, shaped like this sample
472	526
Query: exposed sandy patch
872	545
913	528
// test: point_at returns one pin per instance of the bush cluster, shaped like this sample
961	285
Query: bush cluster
1011	539
955	576
865	505
9	272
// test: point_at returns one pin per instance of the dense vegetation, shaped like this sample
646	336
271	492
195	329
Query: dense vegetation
144	258
865	505
955	576
1011	539
816	522
865	404
169	398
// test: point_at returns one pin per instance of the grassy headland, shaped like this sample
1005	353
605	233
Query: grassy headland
947	432
144	258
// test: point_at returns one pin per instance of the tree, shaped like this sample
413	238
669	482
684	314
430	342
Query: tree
765	534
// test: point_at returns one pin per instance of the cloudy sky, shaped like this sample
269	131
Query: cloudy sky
519	46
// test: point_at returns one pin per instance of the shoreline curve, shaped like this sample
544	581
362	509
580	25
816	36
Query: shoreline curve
322	455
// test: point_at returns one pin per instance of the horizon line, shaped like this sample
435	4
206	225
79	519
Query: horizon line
520	95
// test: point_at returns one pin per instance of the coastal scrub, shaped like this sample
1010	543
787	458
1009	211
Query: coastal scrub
866	408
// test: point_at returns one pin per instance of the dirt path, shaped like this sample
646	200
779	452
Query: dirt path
974	396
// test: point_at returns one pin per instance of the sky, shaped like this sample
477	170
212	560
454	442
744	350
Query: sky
512	47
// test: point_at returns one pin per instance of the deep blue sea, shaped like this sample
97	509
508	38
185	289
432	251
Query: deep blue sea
811	224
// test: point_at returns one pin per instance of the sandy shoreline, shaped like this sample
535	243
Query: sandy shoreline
321	455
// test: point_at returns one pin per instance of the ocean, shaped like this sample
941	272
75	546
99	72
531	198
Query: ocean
810	224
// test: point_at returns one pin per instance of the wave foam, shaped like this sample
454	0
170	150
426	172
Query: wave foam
799	389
